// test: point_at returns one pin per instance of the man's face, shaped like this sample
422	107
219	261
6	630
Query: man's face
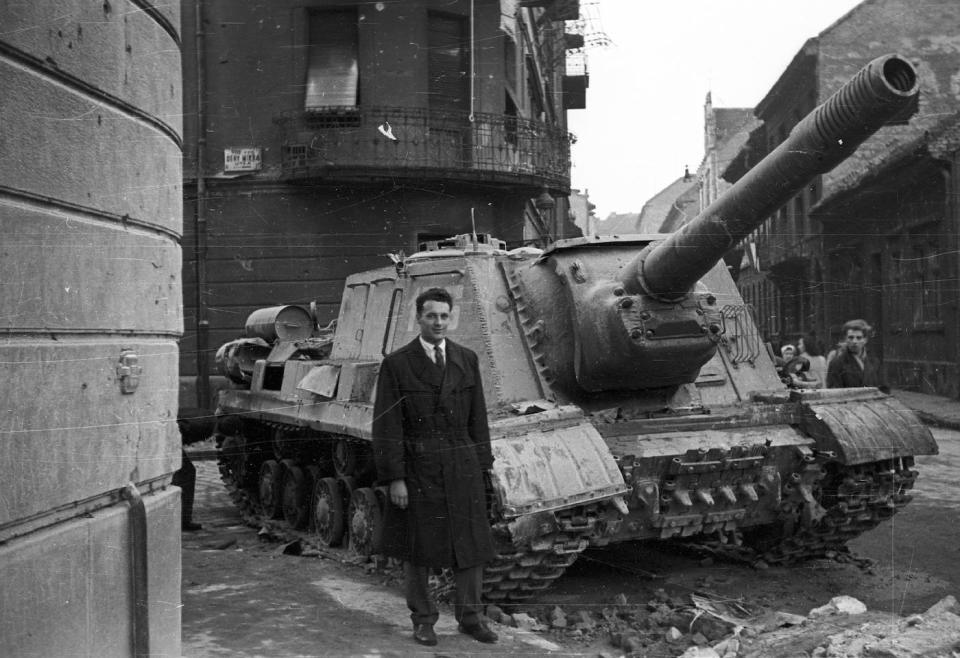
856	341
433	320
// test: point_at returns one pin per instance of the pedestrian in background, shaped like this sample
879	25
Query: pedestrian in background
195	425
431	445
787	352
809	347
795	369
852	366
786	355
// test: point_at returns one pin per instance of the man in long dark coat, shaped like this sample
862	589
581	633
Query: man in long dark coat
432	446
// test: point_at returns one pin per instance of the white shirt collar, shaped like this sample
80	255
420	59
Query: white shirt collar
428	348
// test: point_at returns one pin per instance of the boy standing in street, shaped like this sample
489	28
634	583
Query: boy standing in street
853	367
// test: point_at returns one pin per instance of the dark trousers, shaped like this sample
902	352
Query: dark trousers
466	601
186	479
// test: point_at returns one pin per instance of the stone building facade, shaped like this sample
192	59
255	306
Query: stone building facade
90	213
320	136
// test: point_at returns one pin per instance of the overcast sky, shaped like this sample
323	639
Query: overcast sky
644	116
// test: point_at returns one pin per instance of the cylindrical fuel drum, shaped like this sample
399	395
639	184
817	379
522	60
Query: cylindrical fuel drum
90	219
279	322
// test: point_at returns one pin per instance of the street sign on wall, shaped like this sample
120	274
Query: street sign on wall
241	159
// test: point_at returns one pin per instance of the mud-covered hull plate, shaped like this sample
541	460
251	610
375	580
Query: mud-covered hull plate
863	425
552	467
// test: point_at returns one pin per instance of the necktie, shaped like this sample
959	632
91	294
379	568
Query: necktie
438	357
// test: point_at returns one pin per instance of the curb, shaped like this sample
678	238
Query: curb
937	421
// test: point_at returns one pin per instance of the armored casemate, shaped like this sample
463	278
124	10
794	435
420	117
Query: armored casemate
629	393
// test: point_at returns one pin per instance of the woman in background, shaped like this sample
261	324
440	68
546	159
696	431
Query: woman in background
809	347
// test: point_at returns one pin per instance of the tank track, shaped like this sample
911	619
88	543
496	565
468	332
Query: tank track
847	502
520	574
244	497
514	576
241	495
842	503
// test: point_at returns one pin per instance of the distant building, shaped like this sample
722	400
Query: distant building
684	208
582	210
726	130
671	207
320	135
619	224
877	237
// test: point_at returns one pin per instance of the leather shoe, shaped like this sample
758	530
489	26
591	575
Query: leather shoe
423	634
480	633
190	526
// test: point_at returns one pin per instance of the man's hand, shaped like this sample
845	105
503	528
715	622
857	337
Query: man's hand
398	493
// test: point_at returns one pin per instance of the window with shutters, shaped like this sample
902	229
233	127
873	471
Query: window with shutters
333	71
448	63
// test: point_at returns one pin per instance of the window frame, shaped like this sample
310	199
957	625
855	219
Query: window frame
350	74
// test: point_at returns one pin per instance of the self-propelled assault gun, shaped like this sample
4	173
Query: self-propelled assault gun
628	391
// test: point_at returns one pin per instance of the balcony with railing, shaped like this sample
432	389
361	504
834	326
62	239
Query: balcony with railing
355	143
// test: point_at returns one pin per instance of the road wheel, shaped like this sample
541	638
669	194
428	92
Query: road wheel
233	458
329	516
270	489
240	472
296	495
366	522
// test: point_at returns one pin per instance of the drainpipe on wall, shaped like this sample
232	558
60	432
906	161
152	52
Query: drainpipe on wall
200	233
951	177
473	62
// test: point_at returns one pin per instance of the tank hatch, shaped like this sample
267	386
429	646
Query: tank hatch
458	245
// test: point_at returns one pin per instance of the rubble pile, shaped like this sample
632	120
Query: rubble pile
840	630
701	626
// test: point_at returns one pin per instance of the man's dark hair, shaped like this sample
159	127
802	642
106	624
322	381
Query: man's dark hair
857	325
433	295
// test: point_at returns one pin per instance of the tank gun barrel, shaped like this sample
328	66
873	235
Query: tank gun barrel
879	92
